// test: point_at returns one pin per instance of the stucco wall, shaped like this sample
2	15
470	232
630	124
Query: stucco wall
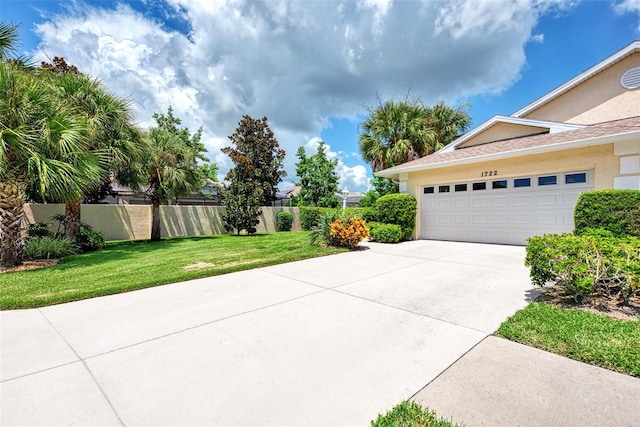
600	99
125	222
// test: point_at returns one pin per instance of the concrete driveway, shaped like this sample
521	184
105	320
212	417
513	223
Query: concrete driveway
327	341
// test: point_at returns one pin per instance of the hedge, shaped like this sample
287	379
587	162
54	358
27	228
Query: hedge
399	209
615	210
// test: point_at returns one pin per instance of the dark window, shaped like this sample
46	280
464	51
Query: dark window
479	186
522	182
461	187
499	184
428	190
547	180
575	178
443	189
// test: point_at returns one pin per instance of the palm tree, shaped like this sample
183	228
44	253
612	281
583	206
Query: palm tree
447	124
111	136
398	132
170	164
394	133
38	136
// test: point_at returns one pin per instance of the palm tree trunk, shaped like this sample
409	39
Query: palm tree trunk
72	220
155	220
11	215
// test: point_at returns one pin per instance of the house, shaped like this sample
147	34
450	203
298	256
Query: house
518	176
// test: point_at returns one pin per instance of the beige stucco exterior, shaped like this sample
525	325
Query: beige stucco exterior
126	222
599	99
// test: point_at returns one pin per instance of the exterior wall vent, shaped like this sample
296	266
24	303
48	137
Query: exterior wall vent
631	78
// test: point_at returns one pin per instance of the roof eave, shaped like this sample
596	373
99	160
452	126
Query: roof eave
607	139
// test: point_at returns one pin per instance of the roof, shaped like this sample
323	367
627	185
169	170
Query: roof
548	126
601	133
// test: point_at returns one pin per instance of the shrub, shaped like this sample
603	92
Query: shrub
348	232
321	231
615	210
399	209
309	216
49	247
369	213
385	233
39	229
582	265
88	239
284	221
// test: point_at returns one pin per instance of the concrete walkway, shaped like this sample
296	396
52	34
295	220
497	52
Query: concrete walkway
327	341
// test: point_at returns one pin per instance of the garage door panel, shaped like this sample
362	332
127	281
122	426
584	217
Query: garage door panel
506	215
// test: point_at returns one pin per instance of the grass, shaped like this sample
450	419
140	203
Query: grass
588	337
410	414
129	265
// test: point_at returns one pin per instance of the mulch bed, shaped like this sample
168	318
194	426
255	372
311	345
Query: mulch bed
32	265
612	307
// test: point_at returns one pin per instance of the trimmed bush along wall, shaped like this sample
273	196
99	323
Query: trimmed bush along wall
615	210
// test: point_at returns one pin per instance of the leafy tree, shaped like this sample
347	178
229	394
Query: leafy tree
210	170
254	178
318	179
170	164
398	132
42	141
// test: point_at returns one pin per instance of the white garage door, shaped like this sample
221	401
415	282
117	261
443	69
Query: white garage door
495	210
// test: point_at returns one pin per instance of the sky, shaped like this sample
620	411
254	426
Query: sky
314	67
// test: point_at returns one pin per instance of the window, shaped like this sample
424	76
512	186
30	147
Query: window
461	187
499	184
479	186
548	180
428	190
522	182
443	189
575	178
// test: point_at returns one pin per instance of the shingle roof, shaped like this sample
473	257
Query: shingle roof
606	129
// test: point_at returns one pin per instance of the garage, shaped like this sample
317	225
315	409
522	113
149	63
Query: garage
501	210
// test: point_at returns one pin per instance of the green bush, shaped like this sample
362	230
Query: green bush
49	247
88	239
385	233
321	231
615	210
399	209
581	265
369	213
37	230
284	220
309	216
410	414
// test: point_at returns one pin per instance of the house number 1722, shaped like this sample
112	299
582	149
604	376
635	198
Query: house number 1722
489	173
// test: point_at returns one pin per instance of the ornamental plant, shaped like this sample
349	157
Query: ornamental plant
348	232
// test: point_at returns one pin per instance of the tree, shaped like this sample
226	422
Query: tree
398	132
210	170
42	142
381	187
254	178
318	179
170	164
111	135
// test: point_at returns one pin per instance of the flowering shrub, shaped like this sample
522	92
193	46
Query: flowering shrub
348	232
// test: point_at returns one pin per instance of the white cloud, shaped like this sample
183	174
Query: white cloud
629	6
298	63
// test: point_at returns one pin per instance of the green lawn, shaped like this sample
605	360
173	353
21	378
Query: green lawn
411	414
125	266
587	337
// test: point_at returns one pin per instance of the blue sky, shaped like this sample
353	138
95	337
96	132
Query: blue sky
311	66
